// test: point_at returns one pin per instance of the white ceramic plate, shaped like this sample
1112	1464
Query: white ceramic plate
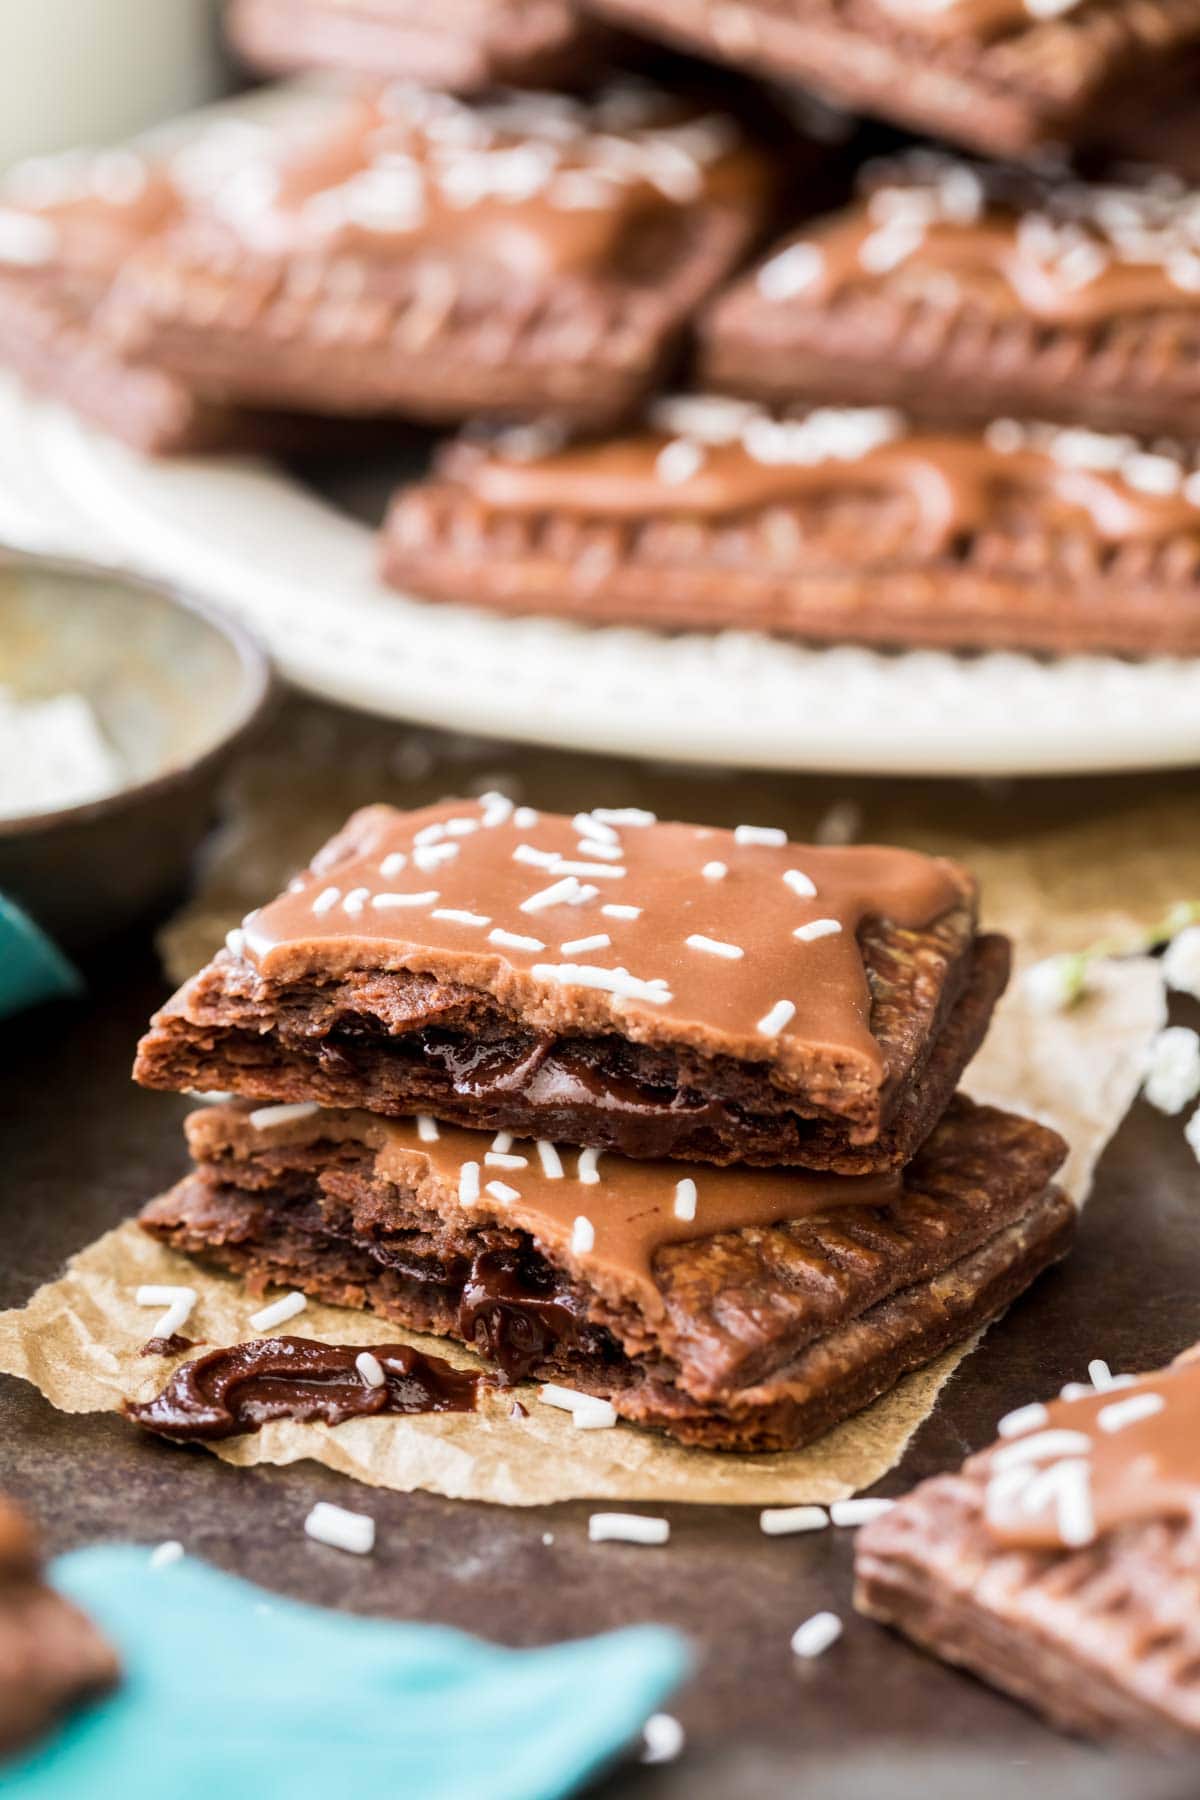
300	572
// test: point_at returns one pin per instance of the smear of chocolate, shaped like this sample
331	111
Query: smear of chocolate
239	1389
513	1312
167	1346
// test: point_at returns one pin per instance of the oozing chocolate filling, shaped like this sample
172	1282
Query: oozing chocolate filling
239	1389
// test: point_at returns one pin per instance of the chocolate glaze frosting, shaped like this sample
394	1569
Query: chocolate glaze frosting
240	1389
749	461
538	184
761	962
953	236
1084	1467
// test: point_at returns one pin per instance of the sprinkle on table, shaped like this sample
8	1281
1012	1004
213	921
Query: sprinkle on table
787	1521
342	1530
858	1512
627	1528
816	1635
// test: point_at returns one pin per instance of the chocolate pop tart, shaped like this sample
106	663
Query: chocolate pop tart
1063	1564
52	1658
735	1308
840	525
1007	77
962	292
662	990
418	255
464	46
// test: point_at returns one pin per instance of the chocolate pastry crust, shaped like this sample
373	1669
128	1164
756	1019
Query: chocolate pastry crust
411	271
990	77
52	1657
758	1338
464	46
349	1021
964	292
956	539
1102	1640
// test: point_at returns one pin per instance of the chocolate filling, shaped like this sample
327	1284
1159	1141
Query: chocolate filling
239	1389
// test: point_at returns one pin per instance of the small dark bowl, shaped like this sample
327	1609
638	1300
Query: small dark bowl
176	689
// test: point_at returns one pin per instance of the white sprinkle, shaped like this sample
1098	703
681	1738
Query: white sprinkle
663	1738
468	1183
685	1199
627	1528
606	852
235	941
1131	1411
1042	1443
789	273
816	1635
430	834
459	828
575	946
178	1302
547	1538
540	859
587	825
454	915
512	940
624	815
279	1312
327	898
525	818
615	910
679	462
1066	1485
715	946
583	1237
340	1529
607	871
613	981
784	1521
817	928
1076	1390
715	871
502	1141
394	863
499	1190
588	1411
588	1173
501	1159
1191	1132
799	883
427	1129
760	834
858	1512
429	856
163	1555
560	893
1099	1373
497	809
550	1160
355	900
1173	1069
781	1014
387	902
1024	1418
264	1117
370	1369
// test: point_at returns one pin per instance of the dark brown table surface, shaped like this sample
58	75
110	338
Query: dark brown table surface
82	1148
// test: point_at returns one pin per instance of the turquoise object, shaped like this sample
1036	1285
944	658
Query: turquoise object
231	1693
32	967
